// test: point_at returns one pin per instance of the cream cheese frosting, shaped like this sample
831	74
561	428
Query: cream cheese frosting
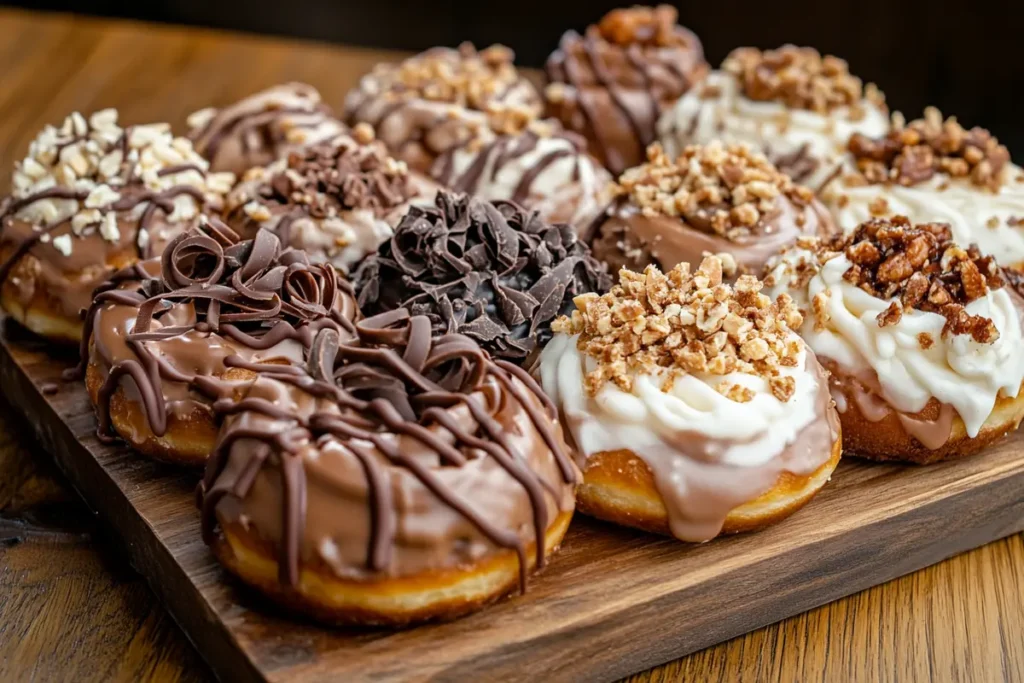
954	369
808	145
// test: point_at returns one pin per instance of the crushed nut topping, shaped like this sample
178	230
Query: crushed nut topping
685	323
913	266
83	169
654	26
800	78
328	178
914	153
727	190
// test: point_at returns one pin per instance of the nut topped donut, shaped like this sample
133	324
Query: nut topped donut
406	477
797	106
493	272
263	127
718	199
541	168
612	83
922	337
935	170
166	338
694	407
90	198
441	98
336	200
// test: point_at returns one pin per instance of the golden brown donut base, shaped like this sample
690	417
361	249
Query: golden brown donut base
43	312
887	440
618	486
394	601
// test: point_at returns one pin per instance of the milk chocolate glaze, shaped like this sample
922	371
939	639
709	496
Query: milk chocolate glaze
391	453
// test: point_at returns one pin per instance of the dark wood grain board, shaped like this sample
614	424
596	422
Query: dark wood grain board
612	602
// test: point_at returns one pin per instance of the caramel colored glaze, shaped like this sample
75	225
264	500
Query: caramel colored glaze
873	429
628	238
399	455
615	92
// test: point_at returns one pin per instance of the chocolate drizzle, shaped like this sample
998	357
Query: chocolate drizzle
394	379
620	76
493	272
250	292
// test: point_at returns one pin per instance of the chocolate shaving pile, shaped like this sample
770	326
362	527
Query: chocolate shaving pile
394	378
914	153
251	292
493	272
339	175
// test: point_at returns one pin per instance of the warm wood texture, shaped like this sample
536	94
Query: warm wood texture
67	614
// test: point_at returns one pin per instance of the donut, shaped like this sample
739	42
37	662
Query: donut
263	127
718	199
934	170
543	168
400	477
798	107
493	272
440	99
166	338
694	408
923	338
611	84
91	198
336	200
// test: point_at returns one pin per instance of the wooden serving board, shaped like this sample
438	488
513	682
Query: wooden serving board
611	603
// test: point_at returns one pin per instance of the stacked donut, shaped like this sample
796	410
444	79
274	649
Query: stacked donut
406	342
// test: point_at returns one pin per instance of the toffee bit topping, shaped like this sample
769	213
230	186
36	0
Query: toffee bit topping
337	176
800	78
649	26
493	272
685	323
916	267
727	190
914	153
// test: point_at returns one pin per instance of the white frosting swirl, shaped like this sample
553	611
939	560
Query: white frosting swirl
956	370
718	110
976	215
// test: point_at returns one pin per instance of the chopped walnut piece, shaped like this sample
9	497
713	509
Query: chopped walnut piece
654	26
680	323
911	266
800	78
914	153
925	340
728	190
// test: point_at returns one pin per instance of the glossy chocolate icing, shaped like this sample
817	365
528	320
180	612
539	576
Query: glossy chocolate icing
394	453
168	331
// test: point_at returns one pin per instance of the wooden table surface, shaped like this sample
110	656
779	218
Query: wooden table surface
72	609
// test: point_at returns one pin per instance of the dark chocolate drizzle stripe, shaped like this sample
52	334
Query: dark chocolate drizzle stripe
250	292
265	120
394	378
493	272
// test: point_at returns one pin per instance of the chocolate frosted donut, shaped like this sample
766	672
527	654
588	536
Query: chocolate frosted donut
693	406
442	98
336	200
262	127
933	169
541	168
166	338
794	104
611	84
923	338
493	272
92	197
405	477
714	199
